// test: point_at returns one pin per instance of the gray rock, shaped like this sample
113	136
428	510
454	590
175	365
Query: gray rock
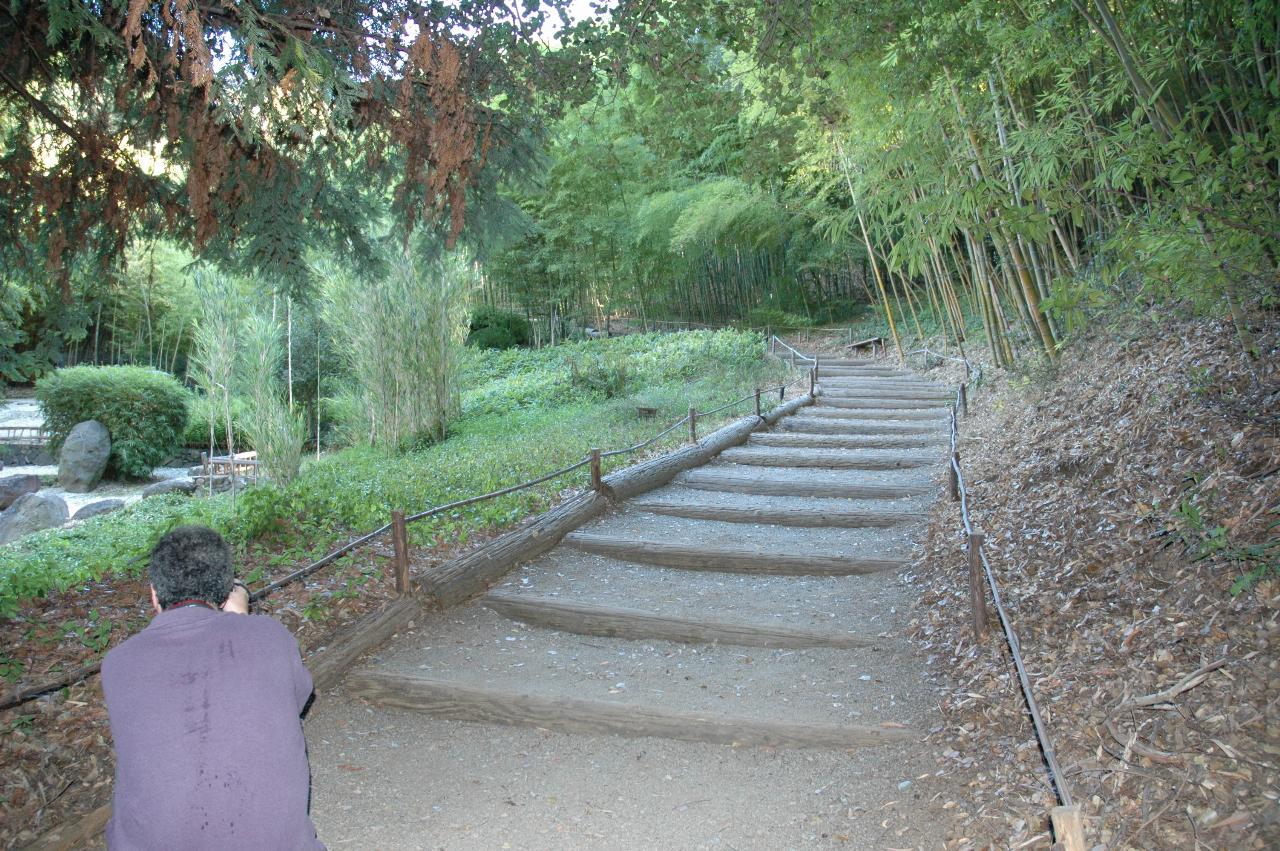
84	455
31	513
169	486
93	509
12	487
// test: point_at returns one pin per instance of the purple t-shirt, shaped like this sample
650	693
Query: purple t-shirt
205	713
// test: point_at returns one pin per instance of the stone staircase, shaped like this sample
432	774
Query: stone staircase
744	603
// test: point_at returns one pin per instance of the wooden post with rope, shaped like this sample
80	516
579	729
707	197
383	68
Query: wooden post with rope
693	425
400	543
977	596
596	484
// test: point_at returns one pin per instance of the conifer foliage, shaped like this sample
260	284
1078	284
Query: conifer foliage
252	129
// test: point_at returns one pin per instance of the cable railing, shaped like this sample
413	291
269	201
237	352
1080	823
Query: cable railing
1066	818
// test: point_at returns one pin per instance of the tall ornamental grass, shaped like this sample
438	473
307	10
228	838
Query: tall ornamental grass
273	427
401	336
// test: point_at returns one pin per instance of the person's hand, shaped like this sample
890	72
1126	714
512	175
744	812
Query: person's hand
238	600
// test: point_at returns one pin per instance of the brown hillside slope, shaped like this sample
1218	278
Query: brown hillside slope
1123	497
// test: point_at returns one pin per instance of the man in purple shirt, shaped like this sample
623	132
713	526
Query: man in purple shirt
205	707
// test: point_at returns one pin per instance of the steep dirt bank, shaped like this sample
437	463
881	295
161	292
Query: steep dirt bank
1130	500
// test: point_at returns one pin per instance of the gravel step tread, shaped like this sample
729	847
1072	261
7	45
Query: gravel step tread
915	415
848	459
475	647
630	523
787	481
879	402
780	510
849	425
848	441
856	605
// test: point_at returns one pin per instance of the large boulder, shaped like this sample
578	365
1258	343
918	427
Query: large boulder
12	487
181	485
31	513
84	455
93	509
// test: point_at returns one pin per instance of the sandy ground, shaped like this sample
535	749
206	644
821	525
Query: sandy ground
385	778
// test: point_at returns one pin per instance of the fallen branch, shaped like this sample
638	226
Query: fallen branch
1132	744
1187	683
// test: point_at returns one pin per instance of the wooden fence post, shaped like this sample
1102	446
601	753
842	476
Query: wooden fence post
964	400
693	425
813	379
1068	827
757	401
977	597
400	543
954	480
595	471
782	392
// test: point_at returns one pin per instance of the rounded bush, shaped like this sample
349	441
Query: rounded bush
145	411
492	328
492	338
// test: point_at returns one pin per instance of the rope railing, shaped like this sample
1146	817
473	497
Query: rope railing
399	520
1066	818
775	341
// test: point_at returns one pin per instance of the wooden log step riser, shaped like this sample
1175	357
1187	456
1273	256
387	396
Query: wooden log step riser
832	387
873	402
638	625
766	486
921	414
782	516
687	557
854	372
859	363
457	702
855	441
820	425
765	457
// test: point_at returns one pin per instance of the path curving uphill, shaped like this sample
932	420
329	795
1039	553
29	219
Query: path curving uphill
716	663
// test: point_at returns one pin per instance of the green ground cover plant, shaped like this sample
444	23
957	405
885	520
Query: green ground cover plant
522	416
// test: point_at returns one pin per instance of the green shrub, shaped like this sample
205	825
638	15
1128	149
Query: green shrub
492	328
144	410
492	338
762	317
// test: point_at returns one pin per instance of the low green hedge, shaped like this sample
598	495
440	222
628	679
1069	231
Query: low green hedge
492	328
144	410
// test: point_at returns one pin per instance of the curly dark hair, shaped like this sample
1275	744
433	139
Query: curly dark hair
191	563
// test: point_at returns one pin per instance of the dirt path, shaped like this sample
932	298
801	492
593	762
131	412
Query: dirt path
721	663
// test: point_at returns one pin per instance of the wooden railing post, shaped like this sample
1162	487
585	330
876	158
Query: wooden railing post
977	597
693	425
964	400
954	479
813	379
1068	827
596	484
757	401
400	543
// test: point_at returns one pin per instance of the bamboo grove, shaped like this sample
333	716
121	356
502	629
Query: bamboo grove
1014	167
